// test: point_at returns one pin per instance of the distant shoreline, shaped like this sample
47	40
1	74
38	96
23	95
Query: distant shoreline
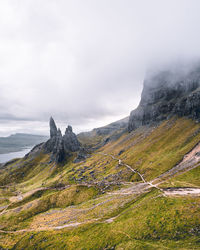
19	142
16	150
12	155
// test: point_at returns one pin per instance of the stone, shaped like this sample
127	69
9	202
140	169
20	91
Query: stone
53	128
166	94
82	155
58	153
60	147
121	152
70	140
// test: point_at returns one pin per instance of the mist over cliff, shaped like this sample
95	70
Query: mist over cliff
169	91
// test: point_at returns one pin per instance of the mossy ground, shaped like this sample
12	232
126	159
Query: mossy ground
159	149
143	220
187	179
150	221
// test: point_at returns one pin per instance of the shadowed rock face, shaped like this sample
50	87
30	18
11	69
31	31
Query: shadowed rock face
60	146
70	140
166	94
53	128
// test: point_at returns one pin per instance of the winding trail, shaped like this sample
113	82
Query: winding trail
120	162
50	228
182	191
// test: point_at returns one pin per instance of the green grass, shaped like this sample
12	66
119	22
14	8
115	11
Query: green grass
161	149
187	179
157	222
72	196
34	196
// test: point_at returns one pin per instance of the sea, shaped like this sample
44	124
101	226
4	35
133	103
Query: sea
9	156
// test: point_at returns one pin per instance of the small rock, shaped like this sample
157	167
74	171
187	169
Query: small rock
31	237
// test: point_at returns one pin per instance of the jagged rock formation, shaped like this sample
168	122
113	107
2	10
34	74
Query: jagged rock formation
60	146
168	93
82	155
70	140
53	128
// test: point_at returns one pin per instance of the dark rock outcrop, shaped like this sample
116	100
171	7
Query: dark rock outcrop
82	155
60	147
165	94
58	152
70	140
53	128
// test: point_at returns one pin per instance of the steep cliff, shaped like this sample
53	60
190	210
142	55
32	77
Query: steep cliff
168	93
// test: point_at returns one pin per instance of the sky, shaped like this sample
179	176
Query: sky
84	61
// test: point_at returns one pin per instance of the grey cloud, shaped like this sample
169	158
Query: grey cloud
84	61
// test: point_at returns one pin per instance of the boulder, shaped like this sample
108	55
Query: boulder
82	155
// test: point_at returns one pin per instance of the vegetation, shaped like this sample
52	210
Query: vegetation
155	222
158	149
186	179
100	204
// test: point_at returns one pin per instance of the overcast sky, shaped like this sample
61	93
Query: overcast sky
83	62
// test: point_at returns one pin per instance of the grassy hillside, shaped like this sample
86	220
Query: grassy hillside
186	179
150	223
155	150
101	203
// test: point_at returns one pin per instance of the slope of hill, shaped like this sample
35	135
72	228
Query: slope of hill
99	136
108	200
118	190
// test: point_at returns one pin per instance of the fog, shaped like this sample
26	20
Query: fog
84	62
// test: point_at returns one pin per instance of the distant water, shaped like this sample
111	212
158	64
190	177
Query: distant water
10	156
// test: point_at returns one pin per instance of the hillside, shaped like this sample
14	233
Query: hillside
99	136
19	141
109	188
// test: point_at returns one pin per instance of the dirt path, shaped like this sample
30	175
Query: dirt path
5	208
182	191
120	162
76	224
190	160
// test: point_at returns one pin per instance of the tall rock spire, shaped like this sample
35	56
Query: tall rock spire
53	128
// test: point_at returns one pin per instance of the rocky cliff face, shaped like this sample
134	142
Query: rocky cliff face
70	140
168	93
53	128
60	146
